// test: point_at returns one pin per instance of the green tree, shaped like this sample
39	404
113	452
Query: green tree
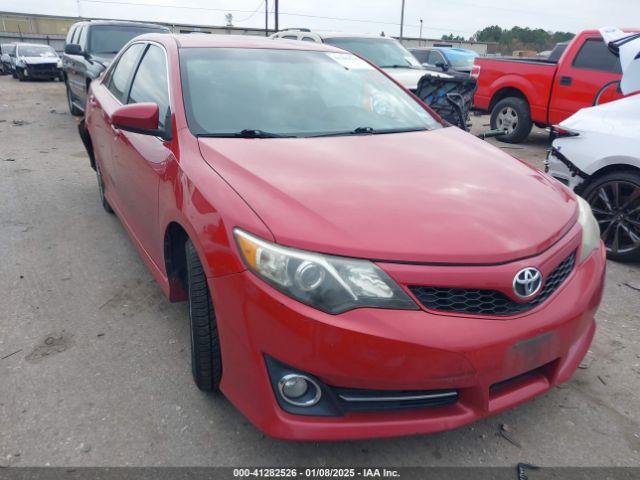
521	38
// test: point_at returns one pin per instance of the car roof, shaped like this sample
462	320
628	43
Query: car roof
122	23
237	41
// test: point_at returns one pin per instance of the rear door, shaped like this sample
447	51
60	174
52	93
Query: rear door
578	79
142	159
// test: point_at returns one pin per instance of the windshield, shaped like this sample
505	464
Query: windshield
292	93
36	51
109	39
383	52
461	59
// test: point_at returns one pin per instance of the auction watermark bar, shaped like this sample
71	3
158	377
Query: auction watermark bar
519	472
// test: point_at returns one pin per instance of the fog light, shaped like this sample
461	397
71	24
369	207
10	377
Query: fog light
299	390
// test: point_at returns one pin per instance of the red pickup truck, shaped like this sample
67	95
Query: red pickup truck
523	92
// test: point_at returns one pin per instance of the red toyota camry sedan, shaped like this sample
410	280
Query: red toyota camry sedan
354	267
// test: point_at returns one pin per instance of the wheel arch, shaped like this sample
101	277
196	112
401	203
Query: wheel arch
175	260
609	165
506	92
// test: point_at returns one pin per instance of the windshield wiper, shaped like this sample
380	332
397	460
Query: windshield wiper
401	66
247	133
369	131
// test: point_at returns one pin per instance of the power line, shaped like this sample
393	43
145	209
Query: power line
251	12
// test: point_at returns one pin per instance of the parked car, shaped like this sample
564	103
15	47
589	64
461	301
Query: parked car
37	62
519	93
384	52
597	154
326	300
90	47
446	59
8	58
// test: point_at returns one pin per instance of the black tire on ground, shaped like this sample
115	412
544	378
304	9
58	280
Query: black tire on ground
20	75
75	111
206	361
103	199
512	114
615	201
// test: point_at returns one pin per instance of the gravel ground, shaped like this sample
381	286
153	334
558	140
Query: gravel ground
94	362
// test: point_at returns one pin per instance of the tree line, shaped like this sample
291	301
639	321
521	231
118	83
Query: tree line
516	38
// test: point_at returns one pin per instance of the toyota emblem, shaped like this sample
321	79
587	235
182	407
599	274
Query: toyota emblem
527	282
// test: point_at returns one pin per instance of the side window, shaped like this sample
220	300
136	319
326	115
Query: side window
82	40
434	57
72	31
119	81
150	83
290	37
76	34
594	55
421	55
308	39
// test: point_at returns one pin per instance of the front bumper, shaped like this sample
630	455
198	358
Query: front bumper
484	359
43	71
562	169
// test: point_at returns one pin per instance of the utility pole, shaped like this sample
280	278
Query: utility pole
277	13
401	20
266	18
420	29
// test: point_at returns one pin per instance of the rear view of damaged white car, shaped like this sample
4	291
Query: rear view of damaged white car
596	152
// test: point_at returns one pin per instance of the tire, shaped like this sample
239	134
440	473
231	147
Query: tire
513	114
206	361
20	75
75	111
618	215
103	199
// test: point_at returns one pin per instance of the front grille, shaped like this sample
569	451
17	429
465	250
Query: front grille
42	68
489	302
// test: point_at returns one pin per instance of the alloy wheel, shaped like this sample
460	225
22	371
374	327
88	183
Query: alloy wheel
507	120
616	206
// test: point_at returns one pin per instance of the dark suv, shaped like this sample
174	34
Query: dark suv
90	47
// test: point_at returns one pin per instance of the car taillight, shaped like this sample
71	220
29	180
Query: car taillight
475	71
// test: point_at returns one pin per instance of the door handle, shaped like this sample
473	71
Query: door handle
565	81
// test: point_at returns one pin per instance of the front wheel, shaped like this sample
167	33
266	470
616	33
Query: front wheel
512	115
615	201
20	74
206	361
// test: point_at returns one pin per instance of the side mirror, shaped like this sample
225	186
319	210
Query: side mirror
140	118
442	65
73	49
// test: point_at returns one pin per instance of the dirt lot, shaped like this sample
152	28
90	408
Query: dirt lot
94	362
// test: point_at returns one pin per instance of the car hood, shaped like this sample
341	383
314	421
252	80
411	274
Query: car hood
40	60
409	77
441	196
618	118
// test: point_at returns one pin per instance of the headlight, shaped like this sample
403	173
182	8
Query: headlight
59	63
590	229
331	284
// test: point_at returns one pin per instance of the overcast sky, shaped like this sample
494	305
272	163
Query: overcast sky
463	17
